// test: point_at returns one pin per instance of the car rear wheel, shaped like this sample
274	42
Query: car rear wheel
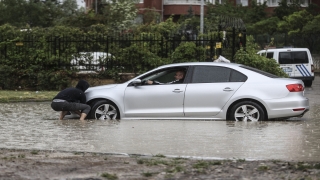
104	110
247	111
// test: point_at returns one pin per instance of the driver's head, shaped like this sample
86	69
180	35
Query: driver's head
179	75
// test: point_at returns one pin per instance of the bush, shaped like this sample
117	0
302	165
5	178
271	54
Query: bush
249	57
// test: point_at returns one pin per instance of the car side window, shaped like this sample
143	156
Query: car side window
216	74
236	76
164	76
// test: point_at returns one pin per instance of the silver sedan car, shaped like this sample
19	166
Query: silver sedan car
208	91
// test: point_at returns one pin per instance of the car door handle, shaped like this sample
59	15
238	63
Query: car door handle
227	89
177	91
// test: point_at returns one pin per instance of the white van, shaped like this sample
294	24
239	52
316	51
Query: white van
296	62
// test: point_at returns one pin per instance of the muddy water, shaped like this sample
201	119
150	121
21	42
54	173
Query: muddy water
35	126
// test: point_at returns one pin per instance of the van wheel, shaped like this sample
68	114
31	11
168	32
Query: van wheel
104	110
307	83
247	111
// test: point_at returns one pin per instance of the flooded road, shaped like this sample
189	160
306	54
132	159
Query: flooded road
35	126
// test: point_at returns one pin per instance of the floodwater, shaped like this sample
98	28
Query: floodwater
35	126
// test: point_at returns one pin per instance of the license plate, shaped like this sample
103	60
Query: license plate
287	69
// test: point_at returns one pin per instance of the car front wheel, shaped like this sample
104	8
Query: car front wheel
104	110
247	111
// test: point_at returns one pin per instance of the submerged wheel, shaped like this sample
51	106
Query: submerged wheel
247	111
104	110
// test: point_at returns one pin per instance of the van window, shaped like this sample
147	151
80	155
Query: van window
296	57
300	57
270	55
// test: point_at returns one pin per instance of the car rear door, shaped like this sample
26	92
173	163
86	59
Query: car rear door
210	89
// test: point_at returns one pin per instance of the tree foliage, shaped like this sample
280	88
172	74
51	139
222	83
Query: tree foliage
256	13
120	14
295	22
35	13
250	57
266	26
285	8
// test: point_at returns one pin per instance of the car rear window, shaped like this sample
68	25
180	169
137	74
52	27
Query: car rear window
295	57
260	71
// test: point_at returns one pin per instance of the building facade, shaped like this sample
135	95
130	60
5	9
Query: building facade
166	8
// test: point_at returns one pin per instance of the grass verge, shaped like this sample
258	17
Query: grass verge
22	96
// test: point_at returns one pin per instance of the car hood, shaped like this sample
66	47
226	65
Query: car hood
101	87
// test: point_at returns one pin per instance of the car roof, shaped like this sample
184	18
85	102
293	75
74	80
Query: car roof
201	63
284	49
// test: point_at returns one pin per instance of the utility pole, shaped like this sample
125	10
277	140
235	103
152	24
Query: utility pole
201	17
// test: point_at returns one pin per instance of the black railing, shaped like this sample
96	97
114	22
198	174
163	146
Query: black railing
106	51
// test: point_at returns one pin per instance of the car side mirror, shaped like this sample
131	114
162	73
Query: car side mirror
135	82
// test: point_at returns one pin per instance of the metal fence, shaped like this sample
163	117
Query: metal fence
99	52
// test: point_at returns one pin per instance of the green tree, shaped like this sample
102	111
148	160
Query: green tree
250	58
166	28
301	24
35	13
215	12
189	23
285	8
226	9
255	13
120	14
69	14
266	26
295	22
151	16
313	9
11	12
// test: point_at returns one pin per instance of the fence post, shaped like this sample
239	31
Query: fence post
233	42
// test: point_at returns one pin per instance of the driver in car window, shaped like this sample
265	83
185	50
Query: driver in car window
179	77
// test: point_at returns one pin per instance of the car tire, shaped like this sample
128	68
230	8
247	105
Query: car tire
104	110
247	111
307	83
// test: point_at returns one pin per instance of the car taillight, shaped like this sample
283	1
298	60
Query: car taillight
295	87
312	68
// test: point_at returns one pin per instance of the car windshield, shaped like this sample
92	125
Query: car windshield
260	72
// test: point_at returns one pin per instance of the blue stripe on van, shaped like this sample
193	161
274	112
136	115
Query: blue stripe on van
303	70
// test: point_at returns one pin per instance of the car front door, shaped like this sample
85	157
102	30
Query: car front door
160	100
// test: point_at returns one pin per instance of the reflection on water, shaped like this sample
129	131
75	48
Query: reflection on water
35	126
